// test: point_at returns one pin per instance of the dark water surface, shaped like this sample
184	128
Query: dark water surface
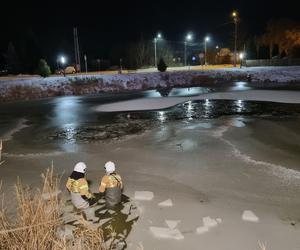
72	119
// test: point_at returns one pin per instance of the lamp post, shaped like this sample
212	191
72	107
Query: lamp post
189	37
155	48
85	63
242	56
235	20
206	39
62	61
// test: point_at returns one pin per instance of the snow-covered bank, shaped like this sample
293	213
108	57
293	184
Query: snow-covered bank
36	87
167	102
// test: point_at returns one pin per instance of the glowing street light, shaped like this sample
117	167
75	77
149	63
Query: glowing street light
241	56
188	37
158	36
235	20
206	39
62	60
217	47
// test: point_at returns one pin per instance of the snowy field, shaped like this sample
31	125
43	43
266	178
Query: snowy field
37	87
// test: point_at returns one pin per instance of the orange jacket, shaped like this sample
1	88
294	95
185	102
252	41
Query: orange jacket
110	181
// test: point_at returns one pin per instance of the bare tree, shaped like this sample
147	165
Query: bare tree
282	33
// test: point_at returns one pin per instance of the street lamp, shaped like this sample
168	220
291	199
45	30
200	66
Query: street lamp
188	37
206	39
62	60
242	56
159	36
235	20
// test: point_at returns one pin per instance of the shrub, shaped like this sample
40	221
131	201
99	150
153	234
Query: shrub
43	68
162	67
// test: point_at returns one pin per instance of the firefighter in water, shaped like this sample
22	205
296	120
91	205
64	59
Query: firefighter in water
79	190
111	185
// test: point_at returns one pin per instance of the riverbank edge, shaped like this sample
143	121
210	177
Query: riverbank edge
29	88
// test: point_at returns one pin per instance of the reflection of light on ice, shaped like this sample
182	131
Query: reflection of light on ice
70	141
70	132
240	105
189	110
66	111
161	116
240	86
208	105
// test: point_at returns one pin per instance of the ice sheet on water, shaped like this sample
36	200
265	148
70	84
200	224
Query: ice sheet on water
172	223
166	203
248	215
202	230
209	222
143	195
166	233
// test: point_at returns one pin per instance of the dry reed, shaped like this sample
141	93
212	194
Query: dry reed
38	221
1	147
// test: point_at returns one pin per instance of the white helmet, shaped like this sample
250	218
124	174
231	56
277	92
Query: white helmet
80	167
110	167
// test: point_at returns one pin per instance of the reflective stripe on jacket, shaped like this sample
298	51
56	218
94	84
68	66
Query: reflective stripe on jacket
79	186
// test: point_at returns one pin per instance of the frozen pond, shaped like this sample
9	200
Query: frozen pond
63	121
218	159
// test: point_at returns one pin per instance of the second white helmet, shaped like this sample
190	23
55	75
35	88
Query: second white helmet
110	167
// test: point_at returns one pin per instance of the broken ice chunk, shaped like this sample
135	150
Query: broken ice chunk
143	195
166	233
202	230
248	215
172	223
166	203
209	222
219	220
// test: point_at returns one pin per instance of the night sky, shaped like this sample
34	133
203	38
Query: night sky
106	25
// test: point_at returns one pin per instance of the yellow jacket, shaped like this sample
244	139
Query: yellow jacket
79	186
110	181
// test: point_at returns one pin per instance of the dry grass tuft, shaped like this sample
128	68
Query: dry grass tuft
87	236
38	220
262	246
1	147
